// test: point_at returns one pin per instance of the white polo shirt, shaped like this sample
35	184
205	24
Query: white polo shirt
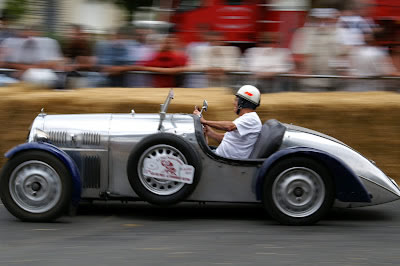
239	143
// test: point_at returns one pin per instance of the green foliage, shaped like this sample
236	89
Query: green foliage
15	9
133	5
130	5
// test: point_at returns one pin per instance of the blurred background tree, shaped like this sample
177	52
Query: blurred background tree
15	9
131	6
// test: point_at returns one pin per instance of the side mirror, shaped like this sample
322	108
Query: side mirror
205	107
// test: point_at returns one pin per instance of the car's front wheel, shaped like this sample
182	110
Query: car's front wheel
298	191
35	186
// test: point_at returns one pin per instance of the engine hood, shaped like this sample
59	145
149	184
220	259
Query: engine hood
95	130
73	130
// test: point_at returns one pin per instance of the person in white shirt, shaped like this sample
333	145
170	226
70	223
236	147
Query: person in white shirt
370	60
34	57
266	62
242	133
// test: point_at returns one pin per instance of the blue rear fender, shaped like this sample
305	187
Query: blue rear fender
61	155
348	186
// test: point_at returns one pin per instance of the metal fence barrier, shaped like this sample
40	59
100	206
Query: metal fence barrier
278	83
191	79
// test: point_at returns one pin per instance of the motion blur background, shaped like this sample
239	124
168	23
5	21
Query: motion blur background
278	45
329	65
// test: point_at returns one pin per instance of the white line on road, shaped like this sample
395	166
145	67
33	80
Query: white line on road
180	253
279	254
132	225
155	248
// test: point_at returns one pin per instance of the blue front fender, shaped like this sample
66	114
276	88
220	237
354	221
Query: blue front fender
348	185
65	158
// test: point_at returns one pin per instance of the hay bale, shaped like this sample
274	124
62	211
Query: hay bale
368	121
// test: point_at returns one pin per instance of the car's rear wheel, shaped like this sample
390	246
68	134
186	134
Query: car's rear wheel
160	191
298	191
35	186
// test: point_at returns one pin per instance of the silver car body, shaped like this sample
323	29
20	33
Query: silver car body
100	145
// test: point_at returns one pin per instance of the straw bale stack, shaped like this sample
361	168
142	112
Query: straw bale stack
368	122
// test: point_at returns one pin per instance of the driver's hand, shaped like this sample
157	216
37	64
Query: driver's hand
196	111
206	129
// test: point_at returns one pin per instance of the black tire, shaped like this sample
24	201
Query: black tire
157	191
298	191
46	191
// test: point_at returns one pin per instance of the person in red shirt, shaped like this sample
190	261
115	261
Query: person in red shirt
170	57
167	64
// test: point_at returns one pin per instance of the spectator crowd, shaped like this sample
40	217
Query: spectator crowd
331	43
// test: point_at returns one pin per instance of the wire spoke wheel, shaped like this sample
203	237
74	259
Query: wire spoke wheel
155	185
155	190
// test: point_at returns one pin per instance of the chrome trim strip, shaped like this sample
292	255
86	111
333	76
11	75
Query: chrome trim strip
379	185
80	149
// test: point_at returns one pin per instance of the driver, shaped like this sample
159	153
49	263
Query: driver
242	133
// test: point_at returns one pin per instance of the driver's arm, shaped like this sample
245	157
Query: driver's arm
221	125
213	134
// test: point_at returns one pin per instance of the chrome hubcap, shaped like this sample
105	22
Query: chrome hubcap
35	186
298	192
155	185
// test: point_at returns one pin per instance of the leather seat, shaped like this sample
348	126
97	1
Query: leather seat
270	139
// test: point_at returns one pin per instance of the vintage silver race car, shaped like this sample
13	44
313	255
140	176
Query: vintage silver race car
296	173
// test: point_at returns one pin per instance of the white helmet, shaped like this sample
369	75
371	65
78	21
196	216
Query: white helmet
249	93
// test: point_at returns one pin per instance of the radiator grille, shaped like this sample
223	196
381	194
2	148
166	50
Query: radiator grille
91	138
91	172
58	137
